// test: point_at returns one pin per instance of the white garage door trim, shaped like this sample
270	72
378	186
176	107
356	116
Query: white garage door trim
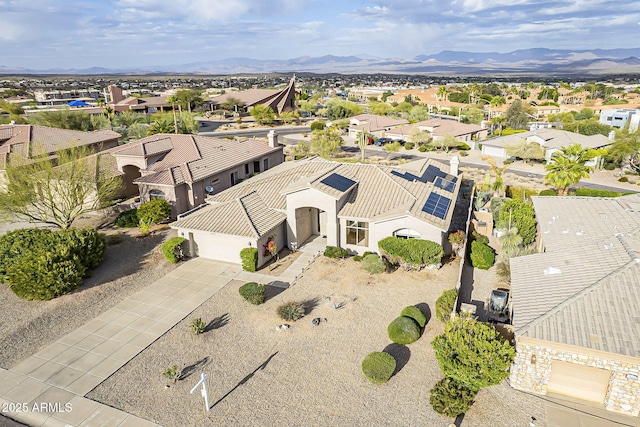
489	150
579	381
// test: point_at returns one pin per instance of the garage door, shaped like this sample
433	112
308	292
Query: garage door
488	150
581	382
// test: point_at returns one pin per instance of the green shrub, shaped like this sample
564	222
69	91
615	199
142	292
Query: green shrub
477	237
591	192
172	373
43	264
444	304
403	330
197	325
422	149
416	314
496	206
291	311
623	179
249	259
373	264
335	252
609	166
464	147
172	249
521	193
412	252
548	192
464	153
317	125
408	145
522	216
154	211
378	367
482	256
253	292
451	398
128	219
357	258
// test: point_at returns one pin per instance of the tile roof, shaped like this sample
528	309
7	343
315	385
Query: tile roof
372	122
553	138
246	216
590	294
191	158
25	138
378	193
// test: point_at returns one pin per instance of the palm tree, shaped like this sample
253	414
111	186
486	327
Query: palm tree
567	167
498	184
172	100
443	93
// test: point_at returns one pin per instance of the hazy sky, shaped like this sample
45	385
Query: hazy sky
41	34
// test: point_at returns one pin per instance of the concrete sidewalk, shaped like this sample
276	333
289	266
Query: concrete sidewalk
48	388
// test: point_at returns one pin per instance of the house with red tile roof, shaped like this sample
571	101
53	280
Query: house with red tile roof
184	169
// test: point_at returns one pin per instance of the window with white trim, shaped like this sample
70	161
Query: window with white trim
156	194
357	233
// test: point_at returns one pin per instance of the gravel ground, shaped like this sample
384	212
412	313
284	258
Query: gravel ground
306	375
128	266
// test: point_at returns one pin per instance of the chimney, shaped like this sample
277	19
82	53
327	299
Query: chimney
454	163
612	135
273	139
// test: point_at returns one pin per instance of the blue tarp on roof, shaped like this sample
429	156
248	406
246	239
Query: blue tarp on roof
77	103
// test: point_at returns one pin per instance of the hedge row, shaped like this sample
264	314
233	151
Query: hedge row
412	252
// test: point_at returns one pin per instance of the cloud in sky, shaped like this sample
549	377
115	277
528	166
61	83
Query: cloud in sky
42	34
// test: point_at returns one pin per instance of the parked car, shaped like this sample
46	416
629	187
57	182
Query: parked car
381	141
400	141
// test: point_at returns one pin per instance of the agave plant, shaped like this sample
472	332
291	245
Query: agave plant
291	311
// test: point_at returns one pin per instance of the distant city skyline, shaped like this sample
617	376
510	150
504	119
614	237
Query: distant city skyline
45	34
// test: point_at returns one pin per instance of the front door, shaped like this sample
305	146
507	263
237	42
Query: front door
303	225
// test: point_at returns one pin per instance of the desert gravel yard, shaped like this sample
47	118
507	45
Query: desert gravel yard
305	375
129	265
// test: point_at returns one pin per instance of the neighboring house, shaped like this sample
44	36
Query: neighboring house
31	140
440	129
378	126
278	100
576	305
352	205
184	169
621	117
551	140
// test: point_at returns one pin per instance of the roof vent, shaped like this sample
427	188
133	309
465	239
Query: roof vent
580	233
552	270
608	245
547	231
565	231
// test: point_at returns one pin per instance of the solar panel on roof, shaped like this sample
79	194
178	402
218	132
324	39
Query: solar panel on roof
431	174
445	184
437	205
338	182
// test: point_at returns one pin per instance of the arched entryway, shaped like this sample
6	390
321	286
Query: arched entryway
309	222
131	173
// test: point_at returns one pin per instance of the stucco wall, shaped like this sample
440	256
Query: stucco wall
623	395
222	247
313	199
380	230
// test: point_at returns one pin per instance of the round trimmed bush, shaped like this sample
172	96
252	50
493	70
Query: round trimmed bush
378	367
291	311
373	264
609	166
408	145
253	292
414	312
335	252
403	330
548	192
451	398
444	304
623	179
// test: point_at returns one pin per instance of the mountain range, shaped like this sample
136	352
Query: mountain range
523	62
